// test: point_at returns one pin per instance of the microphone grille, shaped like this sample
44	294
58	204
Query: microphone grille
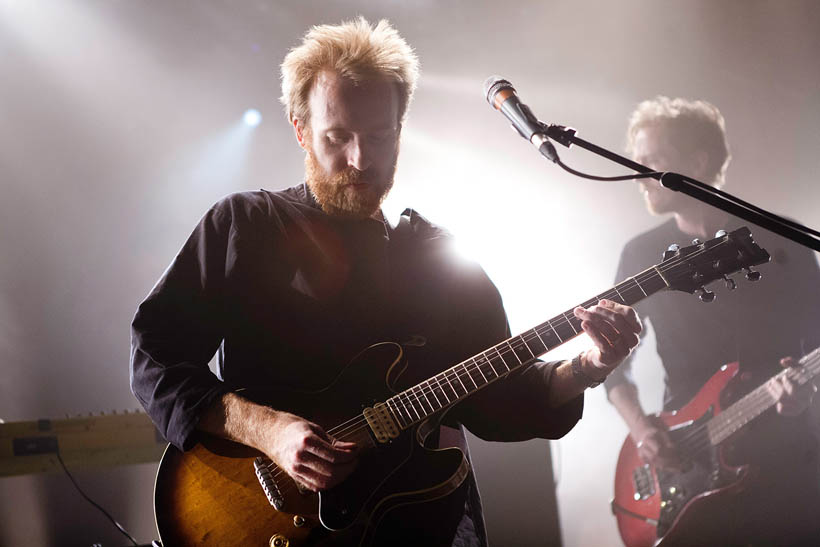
493	85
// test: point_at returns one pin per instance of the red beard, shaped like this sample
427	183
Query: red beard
349	194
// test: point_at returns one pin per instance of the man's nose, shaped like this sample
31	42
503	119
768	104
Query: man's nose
358	155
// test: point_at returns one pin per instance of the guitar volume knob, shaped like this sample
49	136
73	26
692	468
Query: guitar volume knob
752	275
706	295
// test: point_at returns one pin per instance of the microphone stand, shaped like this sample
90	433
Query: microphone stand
694	188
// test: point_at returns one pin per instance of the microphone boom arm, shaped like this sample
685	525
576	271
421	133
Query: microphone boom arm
698	190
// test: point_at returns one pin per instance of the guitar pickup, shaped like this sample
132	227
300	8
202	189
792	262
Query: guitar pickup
643	482
381	422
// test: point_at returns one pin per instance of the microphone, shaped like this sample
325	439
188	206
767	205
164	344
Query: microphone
501	95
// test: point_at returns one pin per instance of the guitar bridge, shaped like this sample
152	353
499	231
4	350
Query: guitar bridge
260	466
381	422
643	482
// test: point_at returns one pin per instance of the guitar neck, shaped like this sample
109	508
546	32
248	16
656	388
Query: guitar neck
458	382
728	422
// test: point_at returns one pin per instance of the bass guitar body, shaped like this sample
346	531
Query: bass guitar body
223	493
663	506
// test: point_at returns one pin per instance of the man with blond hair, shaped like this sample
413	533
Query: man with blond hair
762	326
290	285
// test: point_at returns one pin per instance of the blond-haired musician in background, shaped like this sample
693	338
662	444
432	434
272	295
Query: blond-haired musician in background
763	326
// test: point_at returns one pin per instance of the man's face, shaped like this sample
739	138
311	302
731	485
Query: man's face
352	144
654	147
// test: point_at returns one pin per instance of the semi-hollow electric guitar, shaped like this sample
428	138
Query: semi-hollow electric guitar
223	493
654	505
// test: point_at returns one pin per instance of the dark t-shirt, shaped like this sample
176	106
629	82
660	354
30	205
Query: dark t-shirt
756	325
289	295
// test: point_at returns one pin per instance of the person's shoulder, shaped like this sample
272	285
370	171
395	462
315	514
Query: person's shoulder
650	245
415	226
261	204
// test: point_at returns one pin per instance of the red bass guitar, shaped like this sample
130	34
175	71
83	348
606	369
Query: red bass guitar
655	505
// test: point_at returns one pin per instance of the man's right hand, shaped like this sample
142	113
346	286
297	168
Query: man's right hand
307	453
300	448
652	441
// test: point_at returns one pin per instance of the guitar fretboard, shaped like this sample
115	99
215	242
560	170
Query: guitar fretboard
722	426
421	401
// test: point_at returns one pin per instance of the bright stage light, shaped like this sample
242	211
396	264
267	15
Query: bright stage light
252	117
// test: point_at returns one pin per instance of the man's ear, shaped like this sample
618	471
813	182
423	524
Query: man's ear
299	130
700	163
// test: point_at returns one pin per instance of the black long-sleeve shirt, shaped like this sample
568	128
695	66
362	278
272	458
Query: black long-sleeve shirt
290	294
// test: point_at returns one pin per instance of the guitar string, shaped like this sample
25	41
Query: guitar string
483	360
419	394
758	402
355	424
753	403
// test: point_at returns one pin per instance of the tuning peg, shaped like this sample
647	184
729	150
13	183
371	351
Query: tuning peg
696	241
720	233
730	283
752	275
706	295
671	251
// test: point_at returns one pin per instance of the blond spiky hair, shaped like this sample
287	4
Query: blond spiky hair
692	125
353	49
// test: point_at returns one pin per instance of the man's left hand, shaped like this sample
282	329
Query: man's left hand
613	329
792	399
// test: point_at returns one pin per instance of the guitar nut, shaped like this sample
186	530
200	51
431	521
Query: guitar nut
278	540
298	521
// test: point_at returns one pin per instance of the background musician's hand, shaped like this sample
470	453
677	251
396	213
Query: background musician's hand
614	330
792	399
652	441
308	454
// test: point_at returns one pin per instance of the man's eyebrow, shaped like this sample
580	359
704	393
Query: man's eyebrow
373	130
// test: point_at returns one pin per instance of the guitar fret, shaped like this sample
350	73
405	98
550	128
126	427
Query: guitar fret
470	376
615	288
570	323
546	347
639	286
561	340
449	377
433	391
565	330
531	343
550	334
520	354
438	378
458	377
502	358
394	409
513	351
479	370
422	399
489	362
412	406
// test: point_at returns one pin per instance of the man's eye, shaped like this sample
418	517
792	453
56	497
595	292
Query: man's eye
337	139
380	137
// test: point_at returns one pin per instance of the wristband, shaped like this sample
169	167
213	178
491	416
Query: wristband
579	374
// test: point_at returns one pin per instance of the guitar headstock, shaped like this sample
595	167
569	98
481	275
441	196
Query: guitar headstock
691	268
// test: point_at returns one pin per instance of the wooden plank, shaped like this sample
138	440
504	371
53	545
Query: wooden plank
85	442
